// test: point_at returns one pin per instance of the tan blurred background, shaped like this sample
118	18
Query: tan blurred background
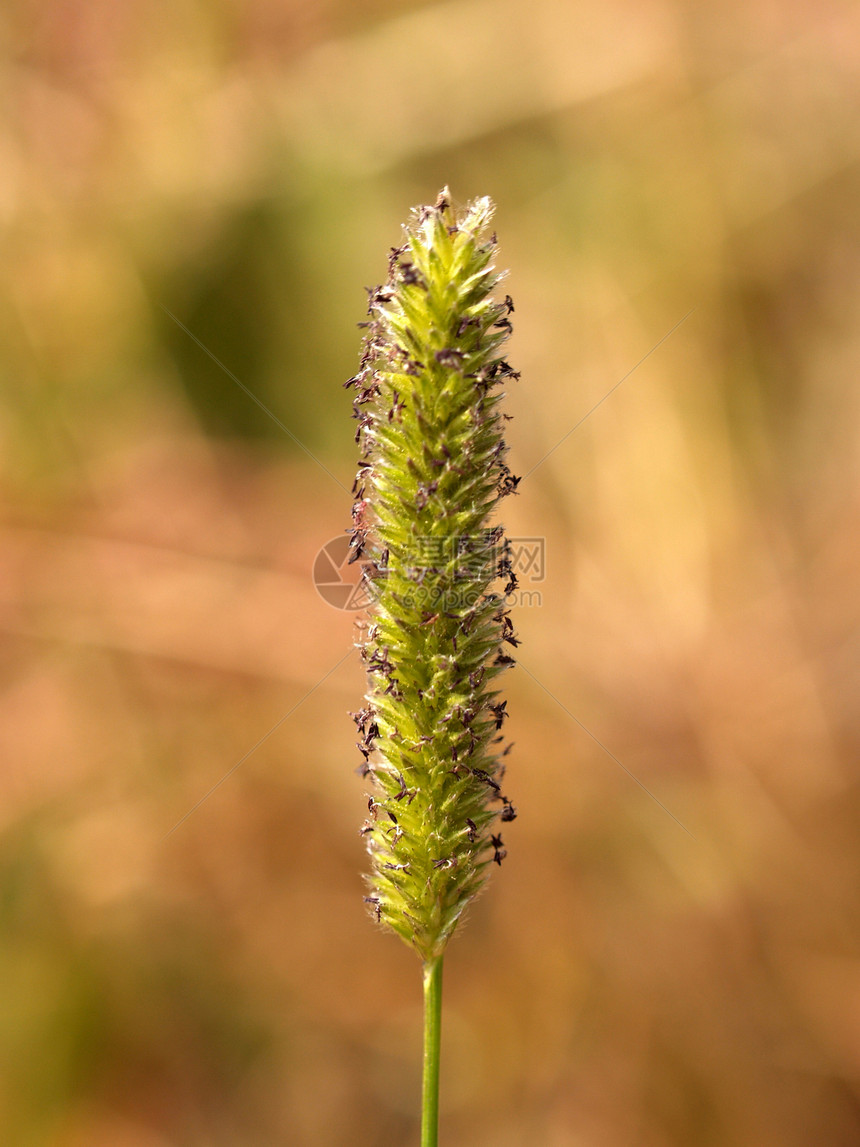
626	981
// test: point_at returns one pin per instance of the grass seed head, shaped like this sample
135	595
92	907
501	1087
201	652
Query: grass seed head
432	470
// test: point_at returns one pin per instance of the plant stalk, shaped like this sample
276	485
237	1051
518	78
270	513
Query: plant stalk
432	1038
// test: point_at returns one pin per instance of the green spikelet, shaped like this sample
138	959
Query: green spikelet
431	473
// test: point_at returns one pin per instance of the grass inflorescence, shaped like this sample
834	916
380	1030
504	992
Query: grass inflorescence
432	471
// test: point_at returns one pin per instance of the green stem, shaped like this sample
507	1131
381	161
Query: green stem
432	1033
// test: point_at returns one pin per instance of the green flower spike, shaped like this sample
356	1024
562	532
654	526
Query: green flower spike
431	473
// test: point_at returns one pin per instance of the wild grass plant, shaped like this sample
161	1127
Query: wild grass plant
439	574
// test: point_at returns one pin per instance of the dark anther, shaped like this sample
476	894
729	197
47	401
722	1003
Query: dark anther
362	717
363	423
377	907
507	371
358	509
487	779
379	662
424	493
500	712
378	295
509	812
449	356
357	546
368	393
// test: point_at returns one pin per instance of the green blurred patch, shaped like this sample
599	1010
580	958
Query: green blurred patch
138	1015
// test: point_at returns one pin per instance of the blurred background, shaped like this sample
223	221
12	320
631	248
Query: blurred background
671	952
